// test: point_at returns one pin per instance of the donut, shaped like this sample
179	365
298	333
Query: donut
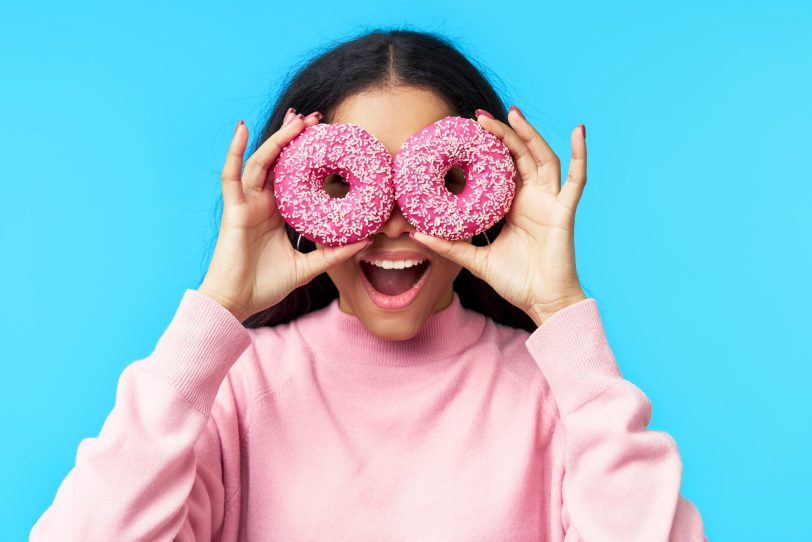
419	173
317	152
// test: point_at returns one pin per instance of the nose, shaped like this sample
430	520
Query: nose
396	225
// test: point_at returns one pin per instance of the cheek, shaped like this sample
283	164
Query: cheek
444	273
343	274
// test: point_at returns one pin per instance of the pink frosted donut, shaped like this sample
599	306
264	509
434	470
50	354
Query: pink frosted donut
317	152
419	175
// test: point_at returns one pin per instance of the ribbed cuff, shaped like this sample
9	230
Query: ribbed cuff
573	353
198	348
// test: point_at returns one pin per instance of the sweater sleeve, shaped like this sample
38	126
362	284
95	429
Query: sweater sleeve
154	472
621	481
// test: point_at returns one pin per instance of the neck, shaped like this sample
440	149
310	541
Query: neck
340	337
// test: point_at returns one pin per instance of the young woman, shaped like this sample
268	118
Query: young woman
288	401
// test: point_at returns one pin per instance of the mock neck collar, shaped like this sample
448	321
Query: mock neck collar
336	335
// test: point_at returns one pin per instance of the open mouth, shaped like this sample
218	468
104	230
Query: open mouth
394	281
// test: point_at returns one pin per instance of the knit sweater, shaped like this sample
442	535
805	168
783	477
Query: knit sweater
318	430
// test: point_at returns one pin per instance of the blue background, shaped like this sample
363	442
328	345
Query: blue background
693	232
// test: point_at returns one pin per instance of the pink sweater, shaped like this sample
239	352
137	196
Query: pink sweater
319	431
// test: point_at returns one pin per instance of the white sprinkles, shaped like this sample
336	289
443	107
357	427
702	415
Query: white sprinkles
416	180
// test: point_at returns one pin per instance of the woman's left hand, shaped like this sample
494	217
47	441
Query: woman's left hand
531	263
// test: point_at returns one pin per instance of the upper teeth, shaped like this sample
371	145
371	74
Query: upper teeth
395	264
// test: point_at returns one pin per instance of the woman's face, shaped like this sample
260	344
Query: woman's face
392	115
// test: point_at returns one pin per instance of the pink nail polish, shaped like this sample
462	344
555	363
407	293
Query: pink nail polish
583	131
315	114
479	112
517	110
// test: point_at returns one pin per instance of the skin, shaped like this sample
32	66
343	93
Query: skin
392	115
531	264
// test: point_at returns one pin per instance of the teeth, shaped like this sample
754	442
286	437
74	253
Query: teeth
395	264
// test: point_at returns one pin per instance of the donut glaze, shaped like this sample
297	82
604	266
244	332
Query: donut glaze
419	177
319	151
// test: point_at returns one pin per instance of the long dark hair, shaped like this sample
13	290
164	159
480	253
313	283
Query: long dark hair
379	59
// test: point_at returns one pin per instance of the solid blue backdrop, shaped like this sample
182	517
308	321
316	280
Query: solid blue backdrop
692	233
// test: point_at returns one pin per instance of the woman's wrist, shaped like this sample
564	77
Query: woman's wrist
541	312
232	307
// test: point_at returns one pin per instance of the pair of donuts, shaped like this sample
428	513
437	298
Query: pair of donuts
414	179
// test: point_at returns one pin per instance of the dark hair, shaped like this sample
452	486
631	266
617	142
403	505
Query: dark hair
381	59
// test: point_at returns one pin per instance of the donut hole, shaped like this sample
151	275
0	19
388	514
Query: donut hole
455	180
336	186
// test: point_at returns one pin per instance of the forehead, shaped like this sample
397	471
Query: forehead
392	114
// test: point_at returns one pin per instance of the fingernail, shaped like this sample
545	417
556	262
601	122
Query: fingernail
288	115
315	114
237	128
516	109
583	131
479	112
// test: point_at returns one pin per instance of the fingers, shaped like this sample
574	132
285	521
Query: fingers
320	260
576	176
232	186
462	253
548	164
289	114
257	166
525	162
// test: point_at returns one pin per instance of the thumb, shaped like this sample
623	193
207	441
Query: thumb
320	260
460	252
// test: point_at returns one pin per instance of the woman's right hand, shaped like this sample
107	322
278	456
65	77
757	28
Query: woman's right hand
254	265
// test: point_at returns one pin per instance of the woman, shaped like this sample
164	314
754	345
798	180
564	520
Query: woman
289	399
